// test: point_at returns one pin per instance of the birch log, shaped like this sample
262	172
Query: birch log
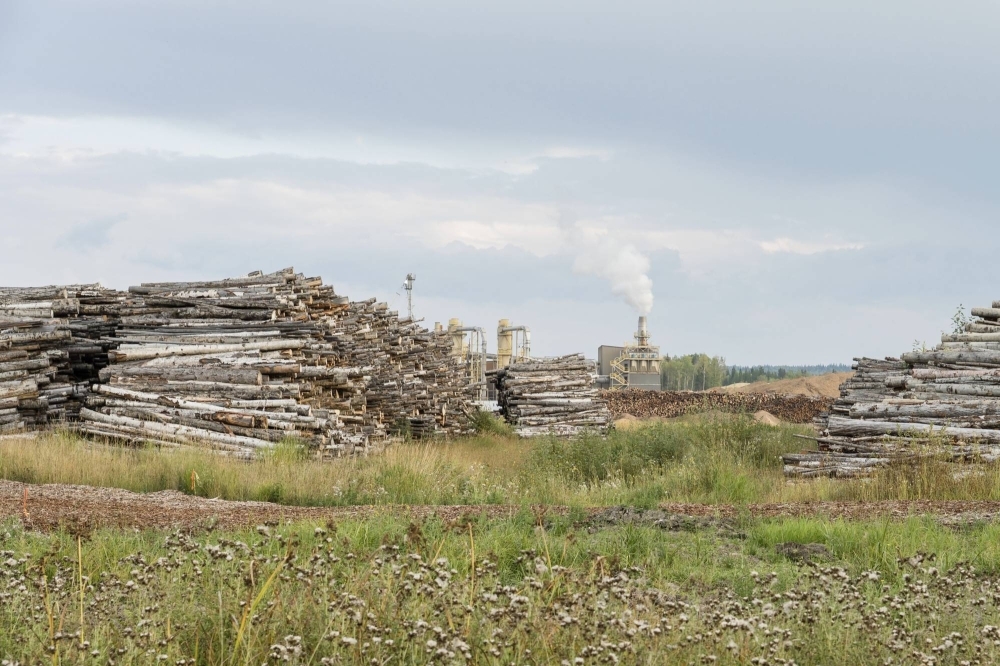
942	402
552	396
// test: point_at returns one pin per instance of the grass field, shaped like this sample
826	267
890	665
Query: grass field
537	588
504	591
731	460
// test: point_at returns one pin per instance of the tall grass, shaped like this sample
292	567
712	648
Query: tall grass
715	459
708	459
385	590
467	471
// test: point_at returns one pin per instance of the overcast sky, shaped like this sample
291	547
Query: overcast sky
785	181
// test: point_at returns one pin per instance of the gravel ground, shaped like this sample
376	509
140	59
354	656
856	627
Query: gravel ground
47	507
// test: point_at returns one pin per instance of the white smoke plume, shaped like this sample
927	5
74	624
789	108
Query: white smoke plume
621	264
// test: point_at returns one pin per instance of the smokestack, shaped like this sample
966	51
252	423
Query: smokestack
642	335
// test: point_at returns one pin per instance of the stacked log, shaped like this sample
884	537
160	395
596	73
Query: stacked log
415	378
244	362
671	404
867	385
411	380
221	363
90	310
189	389
89	313
552	397
35	381
237	363
942	403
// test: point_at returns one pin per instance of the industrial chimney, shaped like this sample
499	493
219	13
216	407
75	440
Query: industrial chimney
642	335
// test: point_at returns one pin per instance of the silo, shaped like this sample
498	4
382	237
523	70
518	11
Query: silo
457	337
505	343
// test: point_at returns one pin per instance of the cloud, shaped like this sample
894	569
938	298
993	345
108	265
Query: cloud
793	96
487	245
90	235
792	246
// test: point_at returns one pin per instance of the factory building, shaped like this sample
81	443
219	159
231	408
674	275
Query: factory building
634	365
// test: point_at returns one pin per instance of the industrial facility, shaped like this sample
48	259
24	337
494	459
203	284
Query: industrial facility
633	365
469	344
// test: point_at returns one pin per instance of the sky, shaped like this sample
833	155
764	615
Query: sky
774	182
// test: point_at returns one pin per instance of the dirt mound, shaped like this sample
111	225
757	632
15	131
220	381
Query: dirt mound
820	386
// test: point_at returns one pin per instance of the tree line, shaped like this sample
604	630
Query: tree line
699	372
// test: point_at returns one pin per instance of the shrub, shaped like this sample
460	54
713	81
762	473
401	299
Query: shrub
488	423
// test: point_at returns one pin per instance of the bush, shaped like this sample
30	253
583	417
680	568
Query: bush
709	443
488	423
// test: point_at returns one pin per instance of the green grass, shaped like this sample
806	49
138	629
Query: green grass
715	459
507	591
532	589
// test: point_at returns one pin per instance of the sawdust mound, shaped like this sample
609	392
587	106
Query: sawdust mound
820	386
767	418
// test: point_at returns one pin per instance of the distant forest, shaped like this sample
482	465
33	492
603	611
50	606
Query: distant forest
698	372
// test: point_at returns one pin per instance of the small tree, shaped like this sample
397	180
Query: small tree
959	320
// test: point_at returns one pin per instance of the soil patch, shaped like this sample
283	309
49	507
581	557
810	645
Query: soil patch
48	507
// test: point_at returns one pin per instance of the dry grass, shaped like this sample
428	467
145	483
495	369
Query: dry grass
730	460
442	473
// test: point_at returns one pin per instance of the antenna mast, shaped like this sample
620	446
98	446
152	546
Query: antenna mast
408	286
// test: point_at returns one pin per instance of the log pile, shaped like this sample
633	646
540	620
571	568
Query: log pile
942	403
238	364
551	396
232	390
35	377
89	313
671	404
867	385
414	381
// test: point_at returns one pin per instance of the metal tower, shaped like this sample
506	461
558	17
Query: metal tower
408	286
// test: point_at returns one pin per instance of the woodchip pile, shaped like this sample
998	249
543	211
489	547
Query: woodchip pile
943	402
551	396
670	404
235	364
